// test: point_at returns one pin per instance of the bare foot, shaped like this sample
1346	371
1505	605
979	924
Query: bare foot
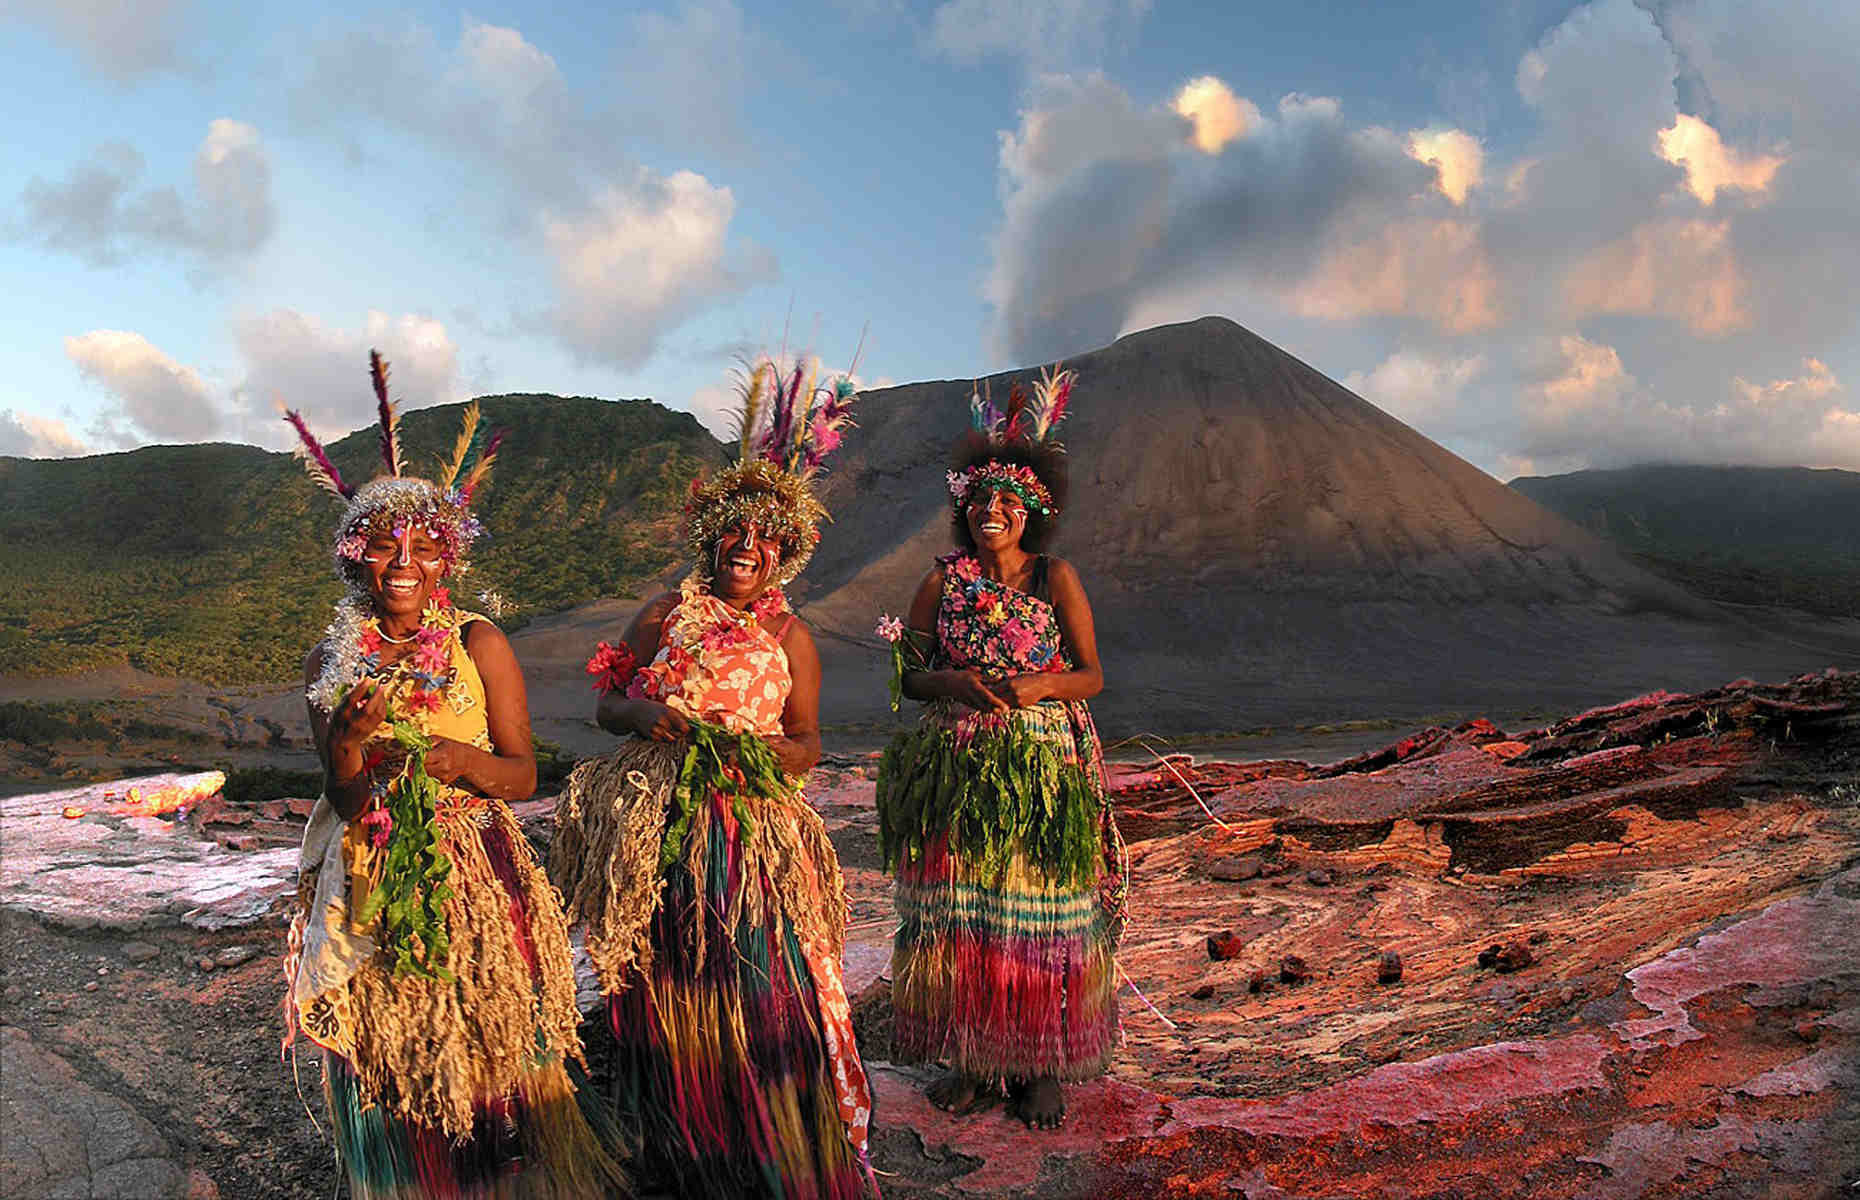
1040	1103
960	1094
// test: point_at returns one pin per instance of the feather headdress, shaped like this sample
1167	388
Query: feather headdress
1026	419
395	500
788	422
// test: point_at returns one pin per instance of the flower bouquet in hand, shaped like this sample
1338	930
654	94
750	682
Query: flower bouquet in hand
910	651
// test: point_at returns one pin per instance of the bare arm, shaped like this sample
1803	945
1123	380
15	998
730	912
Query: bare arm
617	713
1080	635
339	734
508	770
969	686
798	747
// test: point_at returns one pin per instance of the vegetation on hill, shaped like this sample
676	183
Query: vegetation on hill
1742	535
212	561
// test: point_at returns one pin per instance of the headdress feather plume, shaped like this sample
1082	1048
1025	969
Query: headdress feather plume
390	416
468	433
1051	396
315	459
481	468
755	397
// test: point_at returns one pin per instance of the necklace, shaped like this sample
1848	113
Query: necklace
388	637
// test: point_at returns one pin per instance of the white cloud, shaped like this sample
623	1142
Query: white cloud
1424	390
1710	164
1043	33
640	261
687	75
1219	116
1455	154
122	42
1686	270
96	213
1790	61
294	360
27	435
631	253
164	400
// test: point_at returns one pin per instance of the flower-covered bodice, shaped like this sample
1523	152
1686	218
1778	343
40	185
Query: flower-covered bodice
437	688
991	627
717	664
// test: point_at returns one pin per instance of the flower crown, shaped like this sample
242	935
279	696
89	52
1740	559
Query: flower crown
997	476
788	425
396	501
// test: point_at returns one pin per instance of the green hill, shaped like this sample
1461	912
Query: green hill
212	561
1745	535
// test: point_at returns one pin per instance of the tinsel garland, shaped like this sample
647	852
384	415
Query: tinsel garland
736	765
997	795
411	897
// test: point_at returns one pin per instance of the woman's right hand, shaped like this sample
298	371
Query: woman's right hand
970	687
357	717
660	722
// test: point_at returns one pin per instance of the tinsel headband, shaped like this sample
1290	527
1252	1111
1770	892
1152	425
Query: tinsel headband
395	501
788	425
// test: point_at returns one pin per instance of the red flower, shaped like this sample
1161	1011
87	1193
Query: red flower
370	641
423	700
612	666
442	598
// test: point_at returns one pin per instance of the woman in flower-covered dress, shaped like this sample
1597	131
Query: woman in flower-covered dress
993	817
429	958
705	887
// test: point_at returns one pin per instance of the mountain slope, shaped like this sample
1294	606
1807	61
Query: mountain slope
1746	535
212	560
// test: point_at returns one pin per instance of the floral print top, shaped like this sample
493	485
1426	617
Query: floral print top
991	627
719	665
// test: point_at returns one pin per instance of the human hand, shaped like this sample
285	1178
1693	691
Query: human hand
1020	691
660	722
448	760
357	717
970	688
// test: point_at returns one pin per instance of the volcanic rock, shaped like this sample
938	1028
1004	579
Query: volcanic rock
1292	969
1234	870
1514	957
1388	967
1224	946
140	952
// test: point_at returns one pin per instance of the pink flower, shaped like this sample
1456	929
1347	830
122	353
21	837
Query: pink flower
613	667
1019	637
380	824
890	628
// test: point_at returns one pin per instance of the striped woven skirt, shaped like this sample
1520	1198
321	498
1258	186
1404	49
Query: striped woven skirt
1001	967
720	1065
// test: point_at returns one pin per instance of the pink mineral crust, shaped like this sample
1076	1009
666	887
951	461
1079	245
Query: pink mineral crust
1806	1076
1799	940
1445	1087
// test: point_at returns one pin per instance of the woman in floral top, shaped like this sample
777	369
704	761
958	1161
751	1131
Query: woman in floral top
703	883
993	812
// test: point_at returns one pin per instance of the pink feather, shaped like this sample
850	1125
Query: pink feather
315	458
390	419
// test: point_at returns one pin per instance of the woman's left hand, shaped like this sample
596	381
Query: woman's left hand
1021	691
796	757
448	760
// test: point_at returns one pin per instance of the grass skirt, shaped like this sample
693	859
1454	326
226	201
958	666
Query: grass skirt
723	1031
1003	965
459	1088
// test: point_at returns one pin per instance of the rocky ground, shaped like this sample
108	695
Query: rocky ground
1618	955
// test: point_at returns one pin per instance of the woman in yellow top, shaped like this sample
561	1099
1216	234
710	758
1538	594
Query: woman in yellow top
429	958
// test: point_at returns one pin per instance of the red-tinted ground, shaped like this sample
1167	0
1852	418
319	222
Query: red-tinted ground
1682	874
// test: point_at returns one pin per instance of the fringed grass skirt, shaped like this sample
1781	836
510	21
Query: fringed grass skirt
1003	965
414	1107
722	1056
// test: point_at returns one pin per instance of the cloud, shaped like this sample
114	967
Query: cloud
1710	164
630	253
687	74
161	398
1421	389
122	42
96	213
26	435
1455	154
1043	33
1686	270
641	261
1218	115
1434	269
1786	62
297	361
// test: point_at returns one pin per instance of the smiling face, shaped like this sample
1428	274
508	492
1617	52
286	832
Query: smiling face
402	570
744	561
996	517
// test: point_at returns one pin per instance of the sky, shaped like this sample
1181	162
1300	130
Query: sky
1548	236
